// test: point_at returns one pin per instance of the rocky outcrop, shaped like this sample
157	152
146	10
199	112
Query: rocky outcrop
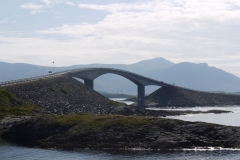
136	111
180	97
119	132
61	95
8	121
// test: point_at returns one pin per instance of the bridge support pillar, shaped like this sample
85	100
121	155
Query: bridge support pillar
89	83
141	96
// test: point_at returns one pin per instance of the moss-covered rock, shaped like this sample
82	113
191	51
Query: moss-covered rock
11	106
73	131
6	98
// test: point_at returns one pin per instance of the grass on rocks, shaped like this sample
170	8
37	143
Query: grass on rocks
115	103
95	122
9	105
89	122
5	98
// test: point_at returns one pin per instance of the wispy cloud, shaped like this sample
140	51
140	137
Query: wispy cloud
33	7
179	30
57	1
117	7
51	1
3	21
36	8
70	3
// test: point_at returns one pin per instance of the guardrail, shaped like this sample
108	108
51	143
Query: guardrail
60	73
24	80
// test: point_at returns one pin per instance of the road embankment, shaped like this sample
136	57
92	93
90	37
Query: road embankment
179	97
61	95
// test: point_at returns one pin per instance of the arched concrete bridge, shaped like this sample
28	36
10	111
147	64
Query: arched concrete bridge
90	74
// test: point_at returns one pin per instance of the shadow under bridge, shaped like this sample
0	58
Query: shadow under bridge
90	74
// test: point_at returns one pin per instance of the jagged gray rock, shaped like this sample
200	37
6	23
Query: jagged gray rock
180	97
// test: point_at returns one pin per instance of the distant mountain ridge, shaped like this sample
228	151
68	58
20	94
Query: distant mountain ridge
199	77
185	74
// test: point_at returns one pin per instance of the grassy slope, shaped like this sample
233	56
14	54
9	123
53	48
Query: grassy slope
9	105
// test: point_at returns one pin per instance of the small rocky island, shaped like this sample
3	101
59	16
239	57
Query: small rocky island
71	132
62	113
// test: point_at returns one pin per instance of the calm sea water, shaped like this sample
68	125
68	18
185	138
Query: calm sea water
122	100
11	152
229	119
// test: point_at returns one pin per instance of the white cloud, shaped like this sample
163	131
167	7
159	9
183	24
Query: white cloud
179	30
33	7
117	7
3	21
46	1
176	29
51	1
70	3
39	8
57	1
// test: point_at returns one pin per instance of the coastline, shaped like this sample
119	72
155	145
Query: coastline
71	132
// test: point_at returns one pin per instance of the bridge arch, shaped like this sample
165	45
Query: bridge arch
90	74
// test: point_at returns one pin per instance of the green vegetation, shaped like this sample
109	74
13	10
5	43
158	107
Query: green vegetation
88	122
9	105
147	100
75	123
64	91
115	103
95	123
5	98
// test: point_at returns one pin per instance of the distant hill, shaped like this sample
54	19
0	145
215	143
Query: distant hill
199	77
189	75
9	71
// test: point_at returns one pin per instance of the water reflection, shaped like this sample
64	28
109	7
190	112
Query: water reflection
9	152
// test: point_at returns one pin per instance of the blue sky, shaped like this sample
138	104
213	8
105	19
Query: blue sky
120	31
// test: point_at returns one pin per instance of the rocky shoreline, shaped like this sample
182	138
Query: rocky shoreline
135	111
72	116
73	132
9	121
